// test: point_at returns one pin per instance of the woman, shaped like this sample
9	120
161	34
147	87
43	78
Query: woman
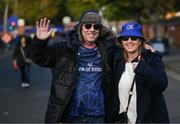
146	70
21	59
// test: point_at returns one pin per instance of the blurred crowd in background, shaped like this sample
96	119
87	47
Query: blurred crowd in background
163	35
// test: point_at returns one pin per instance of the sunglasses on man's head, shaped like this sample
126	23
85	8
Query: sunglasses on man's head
127	38
95	26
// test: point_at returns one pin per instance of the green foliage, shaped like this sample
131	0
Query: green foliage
33	10
176	5
76	7
141	10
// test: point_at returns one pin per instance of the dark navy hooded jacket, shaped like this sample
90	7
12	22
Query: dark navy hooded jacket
151	81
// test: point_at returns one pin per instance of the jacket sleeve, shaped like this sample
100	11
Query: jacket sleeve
41	53
153	74
15	53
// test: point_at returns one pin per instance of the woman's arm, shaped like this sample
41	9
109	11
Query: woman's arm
153	74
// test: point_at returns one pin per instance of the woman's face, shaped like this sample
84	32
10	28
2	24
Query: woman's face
23	41
131	44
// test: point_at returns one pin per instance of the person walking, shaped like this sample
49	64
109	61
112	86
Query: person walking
139	80
22	60
81	70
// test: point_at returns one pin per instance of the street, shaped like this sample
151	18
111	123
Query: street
21	105
173	100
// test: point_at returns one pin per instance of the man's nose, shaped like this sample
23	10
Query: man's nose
92	28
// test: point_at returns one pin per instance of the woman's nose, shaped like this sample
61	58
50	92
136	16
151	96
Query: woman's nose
129	39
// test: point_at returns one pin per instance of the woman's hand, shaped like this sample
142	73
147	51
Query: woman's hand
15	65
42	29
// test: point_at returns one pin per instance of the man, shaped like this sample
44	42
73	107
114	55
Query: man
81	70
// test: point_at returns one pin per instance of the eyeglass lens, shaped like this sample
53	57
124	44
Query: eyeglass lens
127	38
95	26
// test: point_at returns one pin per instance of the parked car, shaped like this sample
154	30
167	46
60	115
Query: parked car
161	45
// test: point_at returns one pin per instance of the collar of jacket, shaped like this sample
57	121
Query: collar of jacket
72	39
119	56
148	55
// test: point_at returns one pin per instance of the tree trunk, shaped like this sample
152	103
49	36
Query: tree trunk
6	17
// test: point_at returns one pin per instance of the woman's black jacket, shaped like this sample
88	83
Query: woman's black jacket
151	81
62	57
17	54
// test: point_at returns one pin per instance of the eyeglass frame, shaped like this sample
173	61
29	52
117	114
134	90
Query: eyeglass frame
126	38
95	26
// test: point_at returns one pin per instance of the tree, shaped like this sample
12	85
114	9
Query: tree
36	9
139	10
76	7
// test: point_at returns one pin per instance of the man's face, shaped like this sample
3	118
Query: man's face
21	30
90	32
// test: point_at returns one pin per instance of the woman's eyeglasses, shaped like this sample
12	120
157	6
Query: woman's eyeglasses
127	38
95	26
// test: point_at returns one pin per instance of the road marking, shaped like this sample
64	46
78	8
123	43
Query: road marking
173	75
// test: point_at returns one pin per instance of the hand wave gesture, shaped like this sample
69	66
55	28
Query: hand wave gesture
42	29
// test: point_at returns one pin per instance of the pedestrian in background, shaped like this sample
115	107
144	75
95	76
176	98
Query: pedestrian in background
140	80
21	55
81	70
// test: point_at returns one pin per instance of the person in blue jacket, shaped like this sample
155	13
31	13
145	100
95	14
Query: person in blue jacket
146	69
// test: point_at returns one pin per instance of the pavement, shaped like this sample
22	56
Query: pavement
172	64
5	52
